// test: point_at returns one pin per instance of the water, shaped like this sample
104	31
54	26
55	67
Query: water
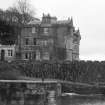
68	99
81	100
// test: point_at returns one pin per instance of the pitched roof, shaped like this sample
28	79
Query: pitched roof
35	21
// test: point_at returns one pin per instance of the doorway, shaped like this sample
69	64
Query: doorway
2	55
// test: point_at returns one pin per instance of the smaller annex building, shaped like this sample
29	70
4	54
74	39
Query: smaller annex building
7	52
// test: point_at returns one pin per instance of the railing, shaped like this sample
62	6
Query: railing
28	81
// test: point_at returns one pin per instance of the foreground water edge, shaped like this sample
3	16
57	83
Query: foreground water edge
76	99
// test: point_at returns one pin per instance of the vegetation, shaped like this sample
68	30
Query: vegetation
82	71
9	28
77	71
8	71
12	19
23	11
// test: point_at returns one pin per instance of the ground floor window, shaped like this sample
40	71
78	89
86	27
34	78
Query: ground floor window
33	55
10	53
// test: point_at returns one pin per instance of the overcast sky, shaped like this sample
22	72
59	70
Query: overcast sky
88	15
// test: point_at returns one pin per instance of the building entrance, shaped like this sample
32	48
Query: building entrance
2	55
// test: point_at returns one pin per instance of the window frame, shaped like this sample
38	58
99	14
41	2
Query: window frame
27	56
46	55
34	41
33	30
26	41
10	52
46	30
38	55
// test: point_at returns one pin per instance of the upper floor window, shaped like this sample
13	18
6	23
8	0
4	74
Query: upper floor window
33	30
43	42
10	52
38	42
34	41
45	30
37	55
34	55
26	56
75	38
50	41
46	56
27	41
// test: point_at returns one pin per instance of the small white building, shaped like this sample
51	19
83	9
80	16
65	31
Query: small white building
7	52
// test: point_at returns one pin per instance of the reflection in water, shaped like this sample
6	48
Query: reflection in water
68	99
81	100
52	98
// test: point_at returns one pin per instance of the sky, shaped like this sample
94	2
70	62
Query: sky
88	16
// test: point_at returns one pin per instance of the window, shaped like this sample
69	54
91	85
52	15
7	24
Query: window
27	41
38	42
37	55
34	41
46	56
34	56
45	30
33	30
75	38
43	42
68	43
30	55
10	52
26	56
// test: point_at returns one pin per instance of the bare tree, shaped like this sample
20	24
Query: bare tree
23	10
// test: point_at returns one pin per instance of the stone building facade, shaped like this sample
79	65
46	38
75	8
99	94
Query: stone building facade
49	39
7	52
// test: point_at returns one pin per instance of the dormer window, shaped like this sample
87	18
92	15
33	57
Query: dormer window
33	30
